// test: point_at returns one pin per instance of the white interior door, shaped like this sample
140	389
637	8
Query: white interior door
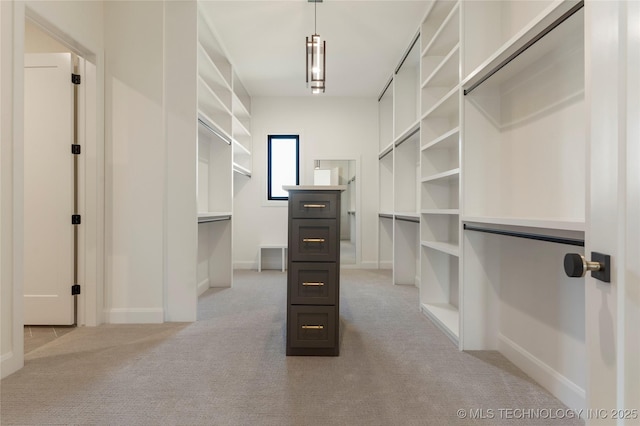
48	189
613	309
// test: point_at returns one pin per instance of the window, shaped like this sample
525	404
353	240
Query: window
283	165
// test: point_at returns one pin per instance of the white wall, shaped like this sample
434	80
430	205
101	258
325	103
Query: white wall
329	128
79	25
151	159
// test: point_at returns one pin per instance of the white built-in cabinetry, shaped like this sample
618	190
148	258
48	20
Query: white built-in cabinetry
224	151
399	165
496	179
440	165
524	141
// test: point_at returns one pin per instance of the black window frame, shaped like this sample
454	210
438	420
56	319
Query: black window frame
270	138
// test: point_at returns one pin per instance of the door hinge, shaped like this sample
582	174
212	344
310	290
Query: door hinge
75	78
75	289
75	149
75	219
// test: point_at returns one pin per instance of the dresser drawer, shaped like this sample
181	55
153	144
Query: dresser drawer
314	205
312	326
314	240
312	283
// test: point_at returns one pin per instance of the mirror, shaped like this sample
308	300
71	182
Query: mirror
341	172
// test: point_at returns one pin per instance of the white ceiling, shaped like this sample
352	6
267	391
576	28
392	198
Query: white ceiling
265	41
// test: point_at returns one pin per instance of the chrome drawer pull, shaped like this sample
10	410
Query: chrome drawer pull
313	240
313	284
314	206
313	327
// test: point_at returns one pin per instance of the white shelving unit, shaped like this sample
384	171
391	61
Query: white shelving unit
523	132
440	167
224	151
399	165
385	176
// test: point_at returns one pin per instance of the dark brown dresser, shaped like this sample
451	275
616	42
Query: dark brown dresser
313	273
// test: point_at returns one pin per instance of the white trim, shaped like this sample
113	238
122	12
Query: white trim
245	265
9	364
203	286
560	386
368	264
134	316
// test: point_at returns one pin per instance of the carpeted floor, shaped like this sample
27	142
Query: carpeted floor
230	368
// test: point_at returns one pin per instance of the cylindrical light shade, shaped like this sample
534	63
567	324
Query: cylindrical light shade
316	68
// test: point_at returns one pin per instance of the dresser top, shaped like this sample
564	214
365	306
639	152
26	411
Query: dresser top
314	187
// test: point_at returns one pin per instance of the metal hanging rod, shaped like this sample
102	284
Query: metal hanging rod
214	219
404	139
385	215
539	237
406	54
546	30
215	131
407	218
387	151
385	88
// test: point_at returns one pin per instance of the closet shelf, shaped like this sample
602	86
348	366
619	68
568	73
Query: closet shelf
240	149
553	16
447	34
441	211
446	106
205	92
445	316
431	78
448	248
239	127
237	168
446	141
529	222
239	108
449	174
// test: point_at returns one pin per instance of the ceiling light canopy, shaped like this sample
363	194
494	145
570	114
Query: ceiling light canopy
315	49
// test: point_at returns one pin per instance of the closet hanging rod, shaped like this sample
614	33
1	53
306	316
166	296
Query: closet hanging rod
215	131
386	151
213	219
385	215
386	86
407	218
539	237
406	54
404	139
546	30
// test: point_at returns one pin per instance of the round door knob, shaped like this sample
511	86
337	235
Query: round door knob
575	265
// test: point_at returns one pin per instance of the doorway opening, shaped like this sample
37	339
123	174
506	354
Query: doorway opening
63	226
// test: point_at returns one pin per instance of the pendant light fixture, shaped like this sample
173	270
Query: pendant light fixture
315	50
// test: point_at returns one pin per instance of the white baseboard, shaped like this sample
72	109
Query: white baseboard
245	264
134	316
9	364
386	265
369	264
203	286
572	395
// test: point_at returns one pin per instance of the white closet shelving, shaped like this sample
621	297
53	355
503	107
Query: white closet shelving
385	176
399	164
523	162
224	150
440	166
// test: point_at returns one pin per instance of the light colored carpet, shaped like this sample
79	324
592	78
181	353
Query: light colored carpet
230	368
